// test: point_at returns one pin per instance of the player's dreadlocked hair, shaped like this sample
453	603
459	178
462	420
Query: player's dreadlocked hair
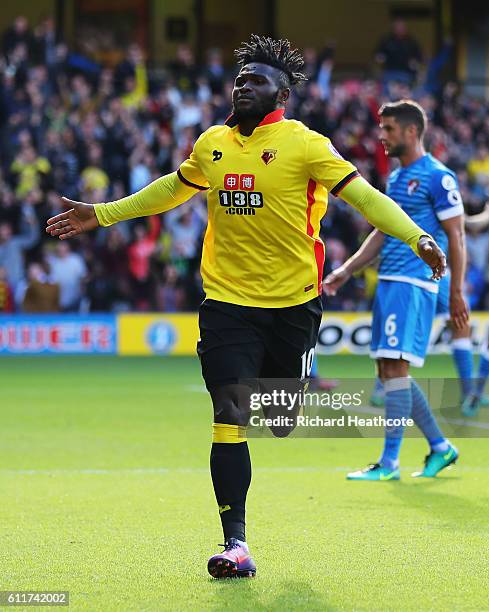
276	53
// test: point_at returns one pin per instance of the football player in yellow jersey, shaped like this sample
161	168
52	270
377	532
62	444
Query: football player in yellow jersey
267	180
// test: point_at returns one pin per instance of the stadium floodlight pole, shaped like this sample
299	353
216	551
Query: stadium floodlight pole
267	181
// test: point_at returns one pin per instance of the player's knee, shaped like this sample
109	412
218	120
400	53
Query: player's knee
394	368
231	404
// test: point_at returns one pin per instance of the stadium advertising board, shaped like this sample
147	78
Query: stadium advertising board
177	334
58	334
342	332
156	334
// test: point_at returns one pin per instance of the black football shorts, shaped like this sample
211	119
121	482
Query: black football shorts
246	342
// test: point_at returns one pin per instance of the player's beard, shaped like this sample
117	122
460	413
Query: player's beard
397	150
258	110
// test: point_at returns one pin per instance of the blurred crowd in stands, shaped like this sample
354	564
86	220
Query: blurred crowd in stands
95	133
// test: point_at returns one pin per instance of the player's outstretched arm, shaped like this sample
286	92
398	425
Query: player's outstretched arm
79	218
367	252
384	214
161	195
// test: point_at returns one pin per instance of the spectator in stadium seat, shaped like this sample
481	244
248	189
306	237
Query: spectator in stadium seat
140	162
69	271
40	293
474	285
135	85
64	156
170	296
6	296
29	170
139	253
185	225
478	169
126	68
215	71
12	246
478	258
100	289
325	69
399	55
94	180
80	95
10	211
44	42
188	114
462	148
478	248
112	254
310	63
164	147
17	33
184	69
337	254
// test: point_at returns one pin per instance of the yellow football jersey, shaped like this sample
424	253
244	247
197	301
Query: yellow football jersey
267	194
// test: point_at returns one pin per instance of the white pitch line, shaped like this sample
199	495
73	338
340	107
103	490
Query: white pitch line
162	471
195	388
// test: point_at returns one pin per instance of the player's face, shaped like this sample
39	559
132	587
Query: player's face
392	136
257	91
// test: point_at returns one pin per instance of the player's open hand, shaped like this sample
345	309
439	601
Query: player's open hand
335	280
432	255
78	219
459	311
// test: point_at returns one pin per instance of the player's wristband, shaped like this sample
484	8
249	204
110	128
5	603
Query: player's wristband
414	245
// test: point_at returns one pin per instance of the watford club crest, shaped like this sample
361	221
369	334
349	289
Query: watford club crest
268	156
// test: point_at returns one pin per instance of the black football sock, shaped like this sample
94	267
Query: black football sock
231	476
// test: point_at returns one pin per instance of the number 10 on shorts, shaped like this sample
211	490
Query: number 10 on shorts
307	358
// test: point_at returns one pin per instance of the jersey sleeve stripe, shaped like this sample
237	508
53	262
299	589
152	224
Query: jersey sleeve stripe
311	188
449	213
318	245
344	182
189	183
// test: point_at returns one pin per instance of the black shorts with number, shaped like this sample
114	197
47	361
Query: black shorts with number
246	342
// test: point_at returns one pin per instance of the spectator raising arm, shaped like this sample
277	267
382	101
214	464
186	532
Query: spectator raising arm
29	235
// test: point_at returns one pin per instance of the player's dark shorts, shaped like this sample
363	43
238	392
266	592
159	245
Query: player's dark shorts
245	342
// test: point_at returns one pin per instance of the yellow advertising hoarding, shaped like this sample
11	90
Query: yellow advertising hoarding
157	334
341	332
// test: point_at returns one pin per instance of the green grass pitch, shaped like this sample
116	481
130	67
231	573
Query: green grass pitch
106	493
